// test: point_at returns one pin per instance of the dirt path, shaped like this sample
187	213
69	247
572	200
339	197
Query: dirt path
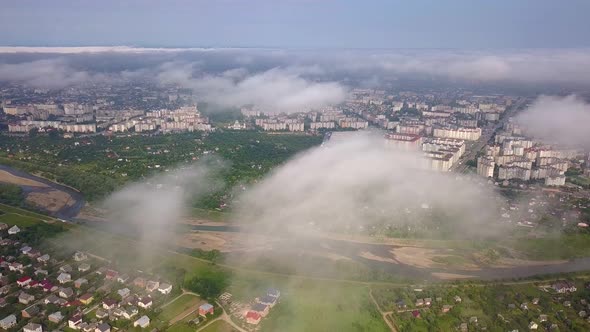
225	317
384	314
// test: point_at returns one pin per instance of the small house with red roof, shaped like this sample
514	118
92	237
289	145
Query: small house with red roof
24	281
253	317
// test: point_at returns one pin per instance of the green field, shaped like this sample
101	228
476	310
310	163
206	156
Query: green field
180	327
323	306
219	326
181	304
18	220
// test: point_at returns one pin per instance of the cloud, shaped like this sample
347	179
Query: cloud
562	120
49	73
361	184
155	207
273	90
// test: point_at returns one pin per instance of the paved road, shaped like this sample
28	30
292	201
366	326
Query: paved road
461	166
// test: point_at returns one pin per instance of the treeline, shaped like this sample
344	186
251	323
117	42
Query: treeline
11	194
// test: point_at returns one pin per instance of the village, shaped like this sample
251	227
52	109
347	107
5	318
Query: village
552	305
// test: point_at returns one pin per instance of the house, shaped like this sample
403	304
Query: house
13	230
446	308
260	309
124	292
8	322
25	249
32	327
535	300
564	286
123	278
5	289
205	309
47	286
524	306
165	288
145	302
473	320
24	281
152	286
401	304
268	300
104	327
30	311
582	314
75	321
66	293
80	282
3	226
100	313
25	298
416	313
64	278
273	292
83	267
427	301
139	282
2	302
111	275
253	317
66	268
109	304
86	298
51	299
463	327
533	326
41	272
16	267
43	259
419	302
542	318
55	317
34	253
457	299
130	312
142	322
80	256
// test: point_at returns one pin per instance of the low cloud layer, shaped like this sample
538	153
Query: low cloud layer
153	209
274	90
562	120
303	73
361	184
48	73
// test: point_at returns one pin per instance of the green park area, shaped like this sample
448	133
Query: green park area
180	305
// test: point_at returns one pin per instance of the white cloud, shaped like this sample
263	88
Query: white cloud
274	90
562	120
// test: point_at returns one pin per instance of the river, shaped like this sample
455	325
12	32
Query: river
66	212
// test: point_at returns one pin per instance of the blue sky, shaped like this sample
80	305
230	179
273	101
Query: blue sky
493	24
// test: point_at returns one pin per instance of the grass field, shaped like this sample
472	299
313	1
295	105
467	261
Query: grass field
323	306
209	214
18	220
219	326
21	218
180	327
181	304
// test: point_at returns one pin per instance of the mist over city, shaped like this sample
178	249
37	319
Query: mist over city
242	166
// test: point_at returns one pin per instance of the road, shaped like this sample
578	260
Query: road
488	132
384	314
225	317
